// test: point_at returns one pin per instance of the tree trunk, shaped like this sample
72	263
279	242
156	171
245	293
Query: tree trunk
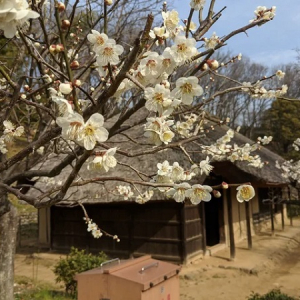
8	236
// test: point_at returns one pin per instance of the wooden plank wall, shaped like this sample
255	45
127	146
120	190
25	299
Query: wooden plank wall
154	228
193	226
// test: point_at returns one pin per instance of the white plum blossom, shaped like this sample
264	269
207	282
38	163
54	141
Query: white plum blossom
198	193
245	193
11	131
65	88
151	64
178	192
157	99
14	13
176	172
163	168
183	49
93	131
125	191
64	107
171	20
71	125
280	74
158	130
168	62
197	4
3	148
159	32
109	53
212	42
97	39
186	89
144	197
103	161
205	167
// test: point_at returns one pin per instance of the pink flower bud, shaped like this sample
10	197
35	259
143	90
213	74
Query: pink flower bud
74	64
224	185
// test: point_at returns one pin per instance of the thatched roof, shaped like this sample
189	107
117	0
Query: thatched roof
103	192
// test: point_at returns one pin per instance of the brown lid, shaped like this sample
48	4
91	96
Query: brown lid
145	271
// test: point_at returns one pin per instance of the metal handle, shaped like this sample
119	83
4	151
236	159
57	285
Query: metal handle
148	267
110	261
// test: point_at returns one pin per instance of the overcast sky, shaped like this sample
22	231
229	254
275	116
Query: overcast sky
271	44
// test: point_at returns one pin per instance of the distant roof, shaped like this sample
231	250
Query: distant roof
105	192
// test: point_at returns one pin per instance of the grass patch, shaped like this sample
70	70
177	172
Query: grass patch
26	289
42	294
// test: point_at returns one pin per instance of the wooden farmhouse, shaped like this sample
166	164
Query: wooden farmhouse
161	227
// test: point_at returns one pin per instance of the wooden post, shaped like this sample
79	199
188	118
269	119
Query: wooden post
291	216
272	217
202	209
282	216
183	234
249	237
230	224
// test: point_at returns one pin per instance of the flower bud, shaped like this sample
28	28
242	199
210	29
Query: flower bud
74	64
216	194
61	7
224	185
65	24
52	49
77	82
213	64
60	48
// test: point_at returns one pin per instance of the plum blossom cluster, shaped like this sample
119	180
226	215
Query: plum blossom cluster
86	134
290	169
125	191
264	13
93	228
197	4
196	193
222	150
107	51
142	198
265	140
212	42
185	128
10	132
103	161
260	92
14	13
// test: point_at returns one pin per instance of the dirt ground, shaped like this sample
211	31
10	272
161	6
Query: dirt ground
273	262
